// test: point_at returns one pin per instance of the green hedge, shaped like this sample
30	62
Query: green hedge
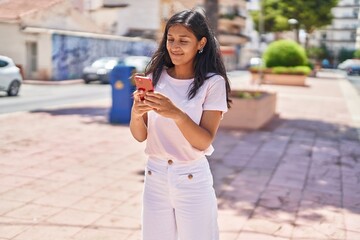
303	70
285	53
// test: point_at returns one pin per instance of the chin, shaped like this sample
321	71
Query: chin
176	61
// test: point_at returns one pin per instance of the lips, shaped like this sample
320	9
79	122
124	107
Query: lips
175	53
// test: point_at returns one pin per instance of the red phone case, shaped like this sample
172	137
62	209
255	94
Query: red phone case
144	83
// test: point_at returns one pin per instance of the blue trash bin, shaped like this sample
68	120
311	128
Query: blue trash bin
122	89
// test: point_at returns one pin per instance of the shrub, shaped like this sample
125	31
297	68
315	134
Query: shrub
298	70
249	95
285	53
357	53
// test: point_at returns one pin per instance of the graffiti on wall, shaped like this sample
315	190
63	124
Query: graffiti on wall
70	54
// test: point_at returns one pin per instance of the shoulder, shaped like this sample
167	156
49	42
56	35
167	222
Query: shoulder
214	79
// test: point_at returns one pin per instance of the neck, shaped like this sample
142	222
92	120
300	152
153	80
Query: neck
181	73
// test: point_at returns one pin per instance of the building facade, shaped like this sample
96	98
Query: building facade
51	40
341	34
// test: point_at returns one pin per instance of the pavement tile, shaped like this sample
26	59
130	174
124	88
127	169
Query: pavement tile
101	234
9	205
22	194
78	189
10	227
258	236
58	199
230	221
48	231
15	181
73	218
92	204
334	199
352	201
44	185
130	208
32	212
134	236
111	222
268	227
324	232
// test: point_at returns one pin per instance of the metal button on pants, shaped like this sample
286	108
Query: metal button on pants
179	201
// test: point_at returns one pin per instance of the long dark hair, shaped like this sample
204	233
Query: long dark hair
209	61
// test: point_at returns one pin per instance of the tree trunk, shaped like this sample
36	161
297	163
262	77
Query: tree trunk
212	13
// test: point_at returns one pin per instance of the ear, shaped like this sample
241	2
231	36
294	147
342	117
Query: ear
202	43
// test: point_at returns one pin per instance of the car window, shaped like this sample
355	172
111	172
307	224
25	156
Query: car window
3	63
105	63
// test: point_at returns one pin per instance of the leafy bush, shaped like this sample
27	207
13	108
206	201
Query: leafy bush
302	70
357	53
345	54
286	53
249	95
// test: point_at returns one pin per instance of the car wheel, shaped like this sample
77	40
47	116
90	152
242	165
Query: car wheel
14	88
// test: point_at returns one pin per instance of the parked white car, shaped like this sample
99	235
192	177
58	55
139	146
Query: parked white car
10	76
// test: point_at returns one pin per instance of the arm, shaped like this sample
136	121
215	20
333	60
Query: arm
199	136
138	121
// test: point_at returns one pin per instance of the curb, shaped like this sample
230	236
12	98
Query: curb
53	82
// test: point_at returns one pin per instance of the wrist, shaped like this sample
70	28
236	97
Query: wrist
136	115
181	117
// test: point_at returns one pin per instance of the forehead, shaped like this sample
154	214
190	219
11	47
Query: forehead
180	30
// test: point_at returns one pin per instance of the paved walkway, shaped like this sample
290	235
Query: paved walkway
66	174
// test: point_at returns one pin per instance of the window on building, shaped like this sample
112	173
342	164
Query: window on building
32	56
353	36
355	12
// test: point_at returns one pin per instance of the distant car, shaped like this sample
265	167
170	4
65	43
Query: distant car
10	76
254	62
351	66
100	69
139	62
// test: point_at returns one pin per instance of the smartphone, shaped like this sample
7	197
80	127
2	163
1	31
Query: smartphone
144	83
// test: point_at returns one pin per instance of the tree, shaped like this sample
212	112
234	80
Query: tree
212	13
311	15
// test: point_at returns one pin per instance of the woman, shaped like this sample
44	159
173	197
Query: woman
179	121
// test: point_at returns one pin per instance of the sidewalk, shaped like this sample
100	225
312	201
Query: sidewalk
66	174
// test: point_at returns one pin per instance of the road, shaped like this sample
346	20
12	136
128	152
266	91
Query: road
355	80
34	97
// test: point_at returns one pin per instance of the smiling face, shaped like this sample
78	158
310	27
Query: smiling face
182	45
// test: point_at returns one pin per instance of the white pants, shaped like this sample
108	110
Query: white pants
179	201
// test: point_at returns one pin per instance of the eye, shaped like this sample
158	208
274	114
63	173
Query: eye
170	40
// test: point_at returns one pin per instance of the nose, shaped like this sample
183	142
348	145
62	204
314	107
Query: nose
174	45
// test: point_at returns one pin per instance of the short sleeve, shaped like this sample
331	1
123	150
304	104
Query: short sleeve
216	95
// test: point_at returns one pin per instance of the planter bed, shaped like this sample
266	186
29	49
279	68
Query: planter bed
250	113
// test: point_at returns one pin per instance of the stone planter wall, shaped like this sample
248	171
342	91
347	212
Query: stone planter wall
281	79
250	114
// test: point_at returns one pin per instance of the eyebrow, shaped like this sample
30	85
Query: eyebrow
179	35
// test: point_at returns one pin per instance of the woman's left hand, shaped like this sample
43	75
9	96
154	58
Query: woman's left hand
162	105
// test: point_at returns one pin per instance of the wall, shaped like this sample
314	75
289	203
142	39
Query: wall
13	45
70	54
140	14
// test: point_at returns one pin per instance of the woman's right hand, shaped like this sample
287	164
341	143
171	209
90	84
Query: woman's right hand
139	107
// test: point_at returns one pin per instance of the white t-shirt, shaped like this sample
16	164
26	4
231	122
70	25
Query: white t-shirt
164	139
